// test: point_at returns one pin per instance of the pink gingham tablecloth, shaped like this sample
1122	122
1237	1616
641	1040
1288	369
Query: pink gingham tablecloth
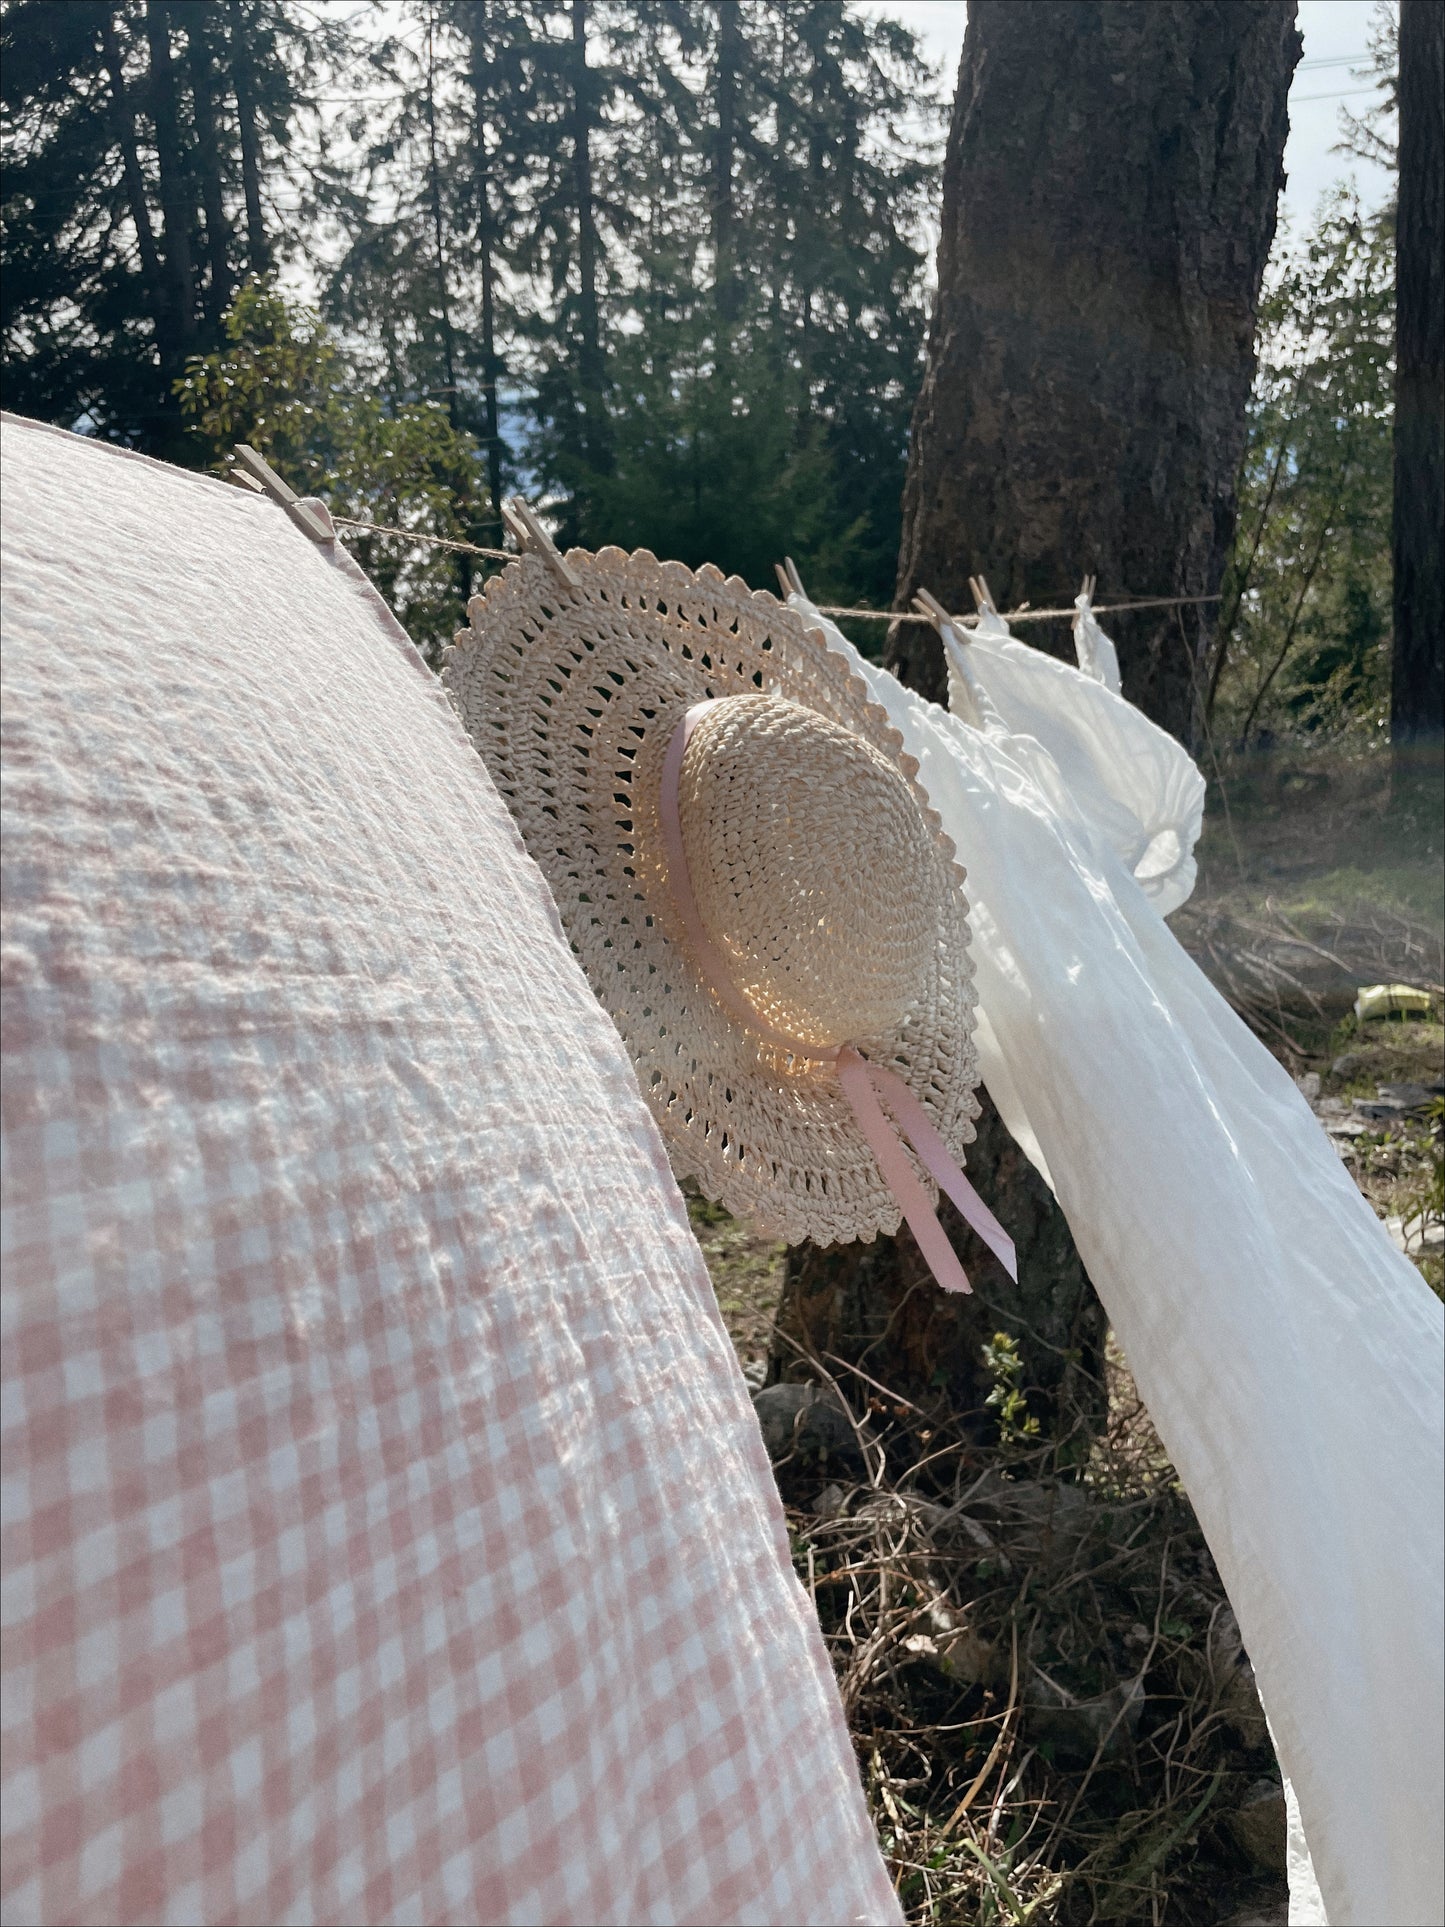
386	1535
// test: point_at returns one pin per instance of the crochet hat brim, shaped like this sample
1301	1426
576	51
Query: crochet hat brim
571	694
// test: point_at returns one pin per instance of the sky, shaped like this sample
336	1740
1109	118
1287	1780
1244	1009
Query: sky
1335	38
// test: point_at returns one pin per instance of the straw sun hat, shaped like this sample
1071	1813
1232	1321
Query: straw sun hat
750	875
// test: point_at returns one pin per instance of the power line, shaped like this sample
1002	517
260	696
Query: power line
1345	93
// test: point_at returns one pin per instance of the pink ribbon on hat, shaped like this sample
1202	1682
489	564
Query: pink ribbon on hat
868	1087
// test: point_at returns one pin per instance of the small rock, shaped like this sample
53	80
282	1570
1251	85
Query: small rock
1414	1097
1380	1107
975	1534
755	1373
1257	1827
1350	1064
829	1502
1078	1729
1331	1107
1419	1237
807	1430
959	1652
1309	1085
1038	1519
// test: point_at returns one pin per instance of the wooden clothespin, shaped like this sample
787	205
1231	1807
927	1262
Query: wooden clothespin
252	471
937	614
982	595
1087	588
531	537
788	577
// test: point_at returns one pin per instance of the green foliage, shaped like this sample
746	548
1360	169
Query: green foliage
283	384
766	341
1005	1365
1305	623
102	294
662	265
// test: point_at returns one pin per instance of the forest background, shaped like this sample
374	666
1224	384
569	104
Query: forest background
665	266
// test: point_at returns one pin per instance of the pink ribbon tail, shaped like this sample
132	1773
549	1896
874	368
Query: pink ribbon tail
863	1084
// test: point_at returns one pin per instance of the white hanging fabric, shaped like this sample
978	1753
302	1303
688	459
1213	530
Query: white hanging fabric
1130	780
1097	655
1290	1357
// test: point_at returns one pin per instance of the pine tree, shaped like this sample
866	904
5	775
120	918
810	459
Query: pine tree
131	133
662	259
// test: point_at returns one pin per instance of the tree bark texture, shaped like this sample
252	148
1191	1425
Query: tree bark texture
177	196
478	31
201	52
123	121
876	1307
589	314
439	245
258	246
1109	200
1417	695
729	43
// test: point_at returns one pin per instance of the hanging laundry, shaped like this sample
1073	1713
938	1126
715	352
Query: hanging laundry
1098	658
388	1534
1131	780
1290	1357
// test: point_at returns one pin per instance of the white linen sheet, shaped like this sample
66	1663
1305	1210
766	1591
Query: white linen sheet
1290	1357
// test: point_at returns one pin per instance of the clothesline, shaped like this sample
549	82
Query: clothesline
1024	614
432	541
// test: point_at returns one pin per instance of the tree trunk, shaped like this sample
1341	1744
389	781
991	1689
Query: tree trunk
201	50
724	238
876	1306
123	121
1417	693
589	361
476	24
258	247
439	251
1109	201
462	562
176	199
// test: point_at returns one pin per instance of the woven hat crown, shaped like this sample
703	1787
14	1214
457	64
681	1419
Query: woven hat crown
811	867
821	880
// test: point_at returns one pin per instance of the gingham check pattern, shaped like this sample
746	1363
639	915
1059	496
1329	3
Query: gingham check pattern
387	1535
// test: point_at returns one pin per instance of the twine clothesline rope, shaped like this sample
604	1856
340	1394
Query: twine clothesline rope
432	541
1024	614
